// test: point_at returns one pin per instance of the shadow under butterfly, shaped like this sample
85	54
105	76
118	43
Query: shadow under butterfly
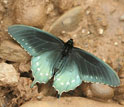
53	57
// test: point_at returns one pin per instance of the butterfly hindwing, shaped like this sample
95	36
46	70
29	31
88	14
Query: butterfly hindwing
34	40
68	78
92	69
42	66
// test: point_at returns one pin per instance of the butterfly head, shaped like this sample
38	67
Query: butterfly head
70	42
67	47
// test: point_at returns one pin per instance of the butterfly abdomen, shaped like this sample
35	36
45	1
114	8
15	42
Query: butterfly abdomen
60	63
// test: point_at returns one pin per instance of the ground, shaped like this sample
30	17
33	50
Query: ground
96	26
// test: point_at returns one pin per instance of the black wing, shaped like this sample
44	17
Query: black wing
92	69
34	40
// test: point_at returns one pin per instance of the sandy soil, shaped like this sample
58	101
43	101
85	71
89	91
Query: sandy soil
96	26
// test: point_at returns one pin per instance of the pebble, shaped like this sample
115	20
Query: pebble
116	43
122	18
8	75
30	12
24	67
100	31
102	91
121	102
39	97
83	30
13	52
88	12
67	22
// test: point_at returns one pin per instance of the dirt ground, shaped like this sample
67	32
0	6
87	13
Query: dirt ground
96	26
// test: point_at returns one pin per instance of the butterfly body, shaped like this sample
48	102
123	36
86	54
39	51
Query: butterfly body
51	57
67	48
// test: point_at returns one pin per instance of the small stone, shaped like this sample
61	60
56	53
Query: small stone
50	8
122	41
116	43
100	31
30	12
121	102
13	52
39	97
88	32
122	18
83	30
67	22
88	12
24	67
102	91
5	1
63	32
74	36
8	75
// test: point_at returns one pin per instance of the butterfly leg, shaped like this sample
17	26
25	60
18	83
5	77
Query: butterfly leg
58	96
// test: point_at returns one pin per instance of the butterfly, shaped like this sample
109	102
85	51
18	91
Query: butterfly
68	65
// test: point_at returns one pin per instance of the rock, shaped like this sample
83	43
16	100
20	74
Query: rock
68	102
24	88
122	18
24	67
102	91
23	92
30	12
8	75
97	91
67	22
2	10
63	5
121	88
12	52
86	90
121	102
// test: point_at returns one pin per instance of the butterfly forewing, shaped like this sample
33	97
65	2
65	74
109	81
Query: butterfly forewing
92	69
34	40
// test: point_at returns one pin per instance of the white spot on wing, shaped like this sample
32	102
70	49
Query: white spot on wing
73	81
41	74
22	39
67	83
37	63
46	74
58	79
38	57
38	69
49	77
26	43
77	76
62	83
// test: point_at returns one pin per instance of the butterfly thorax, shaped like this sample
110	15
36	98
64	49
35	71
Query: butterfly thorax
62	59
67	47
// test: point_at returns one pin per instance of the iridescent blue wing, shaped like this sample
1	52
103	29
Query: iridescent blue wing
68	78
34	40
92	69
